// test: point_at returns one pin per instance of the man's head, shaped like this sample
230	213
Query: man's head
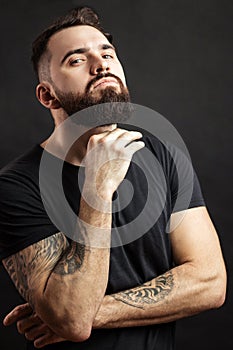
77	65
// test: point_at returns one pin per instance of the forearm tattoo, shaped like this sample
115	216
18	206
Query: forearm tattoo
71	260
26	266
53	254
149	293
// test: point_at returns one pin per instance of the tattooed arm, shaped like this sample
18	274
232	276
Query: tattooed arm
197	283
56	278
65	283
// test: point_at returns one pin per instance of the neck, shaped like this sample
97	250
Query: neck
69	142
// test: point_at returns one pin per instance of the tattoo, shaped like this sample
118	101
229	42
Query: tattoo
17	274
149	293
71	260
36	262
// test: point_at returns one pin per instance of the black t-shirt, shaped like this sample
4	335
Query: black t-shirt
160	181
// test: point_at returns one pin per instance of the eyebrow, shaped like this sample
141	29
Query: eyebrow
83	50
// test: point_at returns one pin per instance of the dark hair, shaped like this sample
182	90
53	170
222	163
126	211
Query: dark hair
77	16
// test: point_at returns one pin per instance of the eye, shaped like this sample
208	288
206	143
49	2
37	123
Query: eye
107	56
76	61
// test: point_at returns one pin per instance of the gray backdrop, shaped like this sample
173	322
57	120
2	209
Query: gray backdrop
177	56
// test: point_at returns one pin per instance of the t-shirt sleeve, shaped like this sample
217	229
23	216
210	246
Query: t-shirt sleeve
23	220
184	184
183	189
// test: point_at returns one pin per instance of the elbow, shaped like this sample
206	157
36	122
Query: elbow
219	301
77	332
219	296
68	324
73	330
217	291
76	328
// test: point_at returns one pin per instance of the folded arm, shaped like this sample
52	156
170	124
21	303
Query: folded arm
197	283
65	282
52	276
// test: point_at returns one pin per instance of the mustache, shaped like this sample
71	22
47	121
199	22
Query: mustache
100	76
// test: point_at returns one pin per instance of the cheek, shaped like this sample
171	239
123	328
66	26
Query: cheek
71	81
74	85
120	73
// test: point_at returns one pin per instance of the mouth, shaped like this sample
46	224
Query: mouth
105	82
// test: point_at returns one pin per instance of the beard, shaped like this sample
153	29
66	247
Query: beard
109	107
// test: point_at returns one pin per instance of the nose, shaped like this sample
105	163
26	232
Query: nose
99	66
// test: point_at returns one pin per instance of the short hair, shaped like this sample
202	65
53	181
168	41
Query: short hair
78	16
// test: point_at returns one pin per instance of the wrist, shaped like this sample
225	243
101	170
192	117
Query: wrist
101	319
99	198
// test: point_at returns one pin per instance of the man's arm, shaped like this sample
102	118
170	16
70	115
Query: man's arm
52	276
197	283
67	281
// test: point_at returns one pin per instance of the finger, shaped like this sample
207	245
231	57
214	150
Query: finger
115	133
36	332
121	139
126	138
17	313
47	339
111	136
122	134
93	140
25	324
134	147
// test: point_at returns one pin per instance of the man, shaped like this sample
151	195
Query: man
80	293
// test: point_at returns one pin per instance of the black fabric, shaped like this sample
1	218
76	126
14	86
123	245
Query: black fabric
160	337
157	189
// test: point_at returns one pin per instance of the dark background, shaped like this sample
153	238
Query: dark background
177	56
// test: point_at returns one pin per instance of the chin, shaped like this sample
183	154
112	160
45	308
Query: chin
110	90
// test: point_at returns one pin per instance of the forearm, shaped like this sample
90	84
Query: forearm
65	284
74	290
181	292
176	294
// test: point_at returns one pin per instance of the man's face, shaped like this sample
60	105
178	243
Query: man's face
84	69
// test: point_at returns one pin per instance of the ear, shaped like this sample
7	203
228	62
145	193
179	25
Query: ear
46	96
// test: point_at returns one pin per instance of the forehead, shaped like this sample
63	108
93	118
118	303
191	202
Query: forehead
76	37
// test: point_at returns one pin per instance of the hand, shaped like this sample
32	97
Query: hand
29	324
108	158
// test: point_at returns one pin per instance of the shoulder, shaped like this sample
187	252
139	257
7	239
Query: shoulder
23	163
23	219
21	172
19	190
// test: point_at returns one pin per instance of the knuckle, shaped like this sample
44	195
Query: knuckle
102	141
128	134
92	140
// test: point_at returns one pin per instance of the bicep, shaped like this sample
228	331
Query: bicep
31	267
194	239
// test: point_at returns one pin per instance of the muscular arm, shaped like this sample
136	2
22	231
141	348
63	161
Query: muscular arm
197	283
65	282
57	278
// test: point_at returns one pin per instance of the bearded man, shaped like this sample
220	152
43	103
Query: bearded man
82	291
